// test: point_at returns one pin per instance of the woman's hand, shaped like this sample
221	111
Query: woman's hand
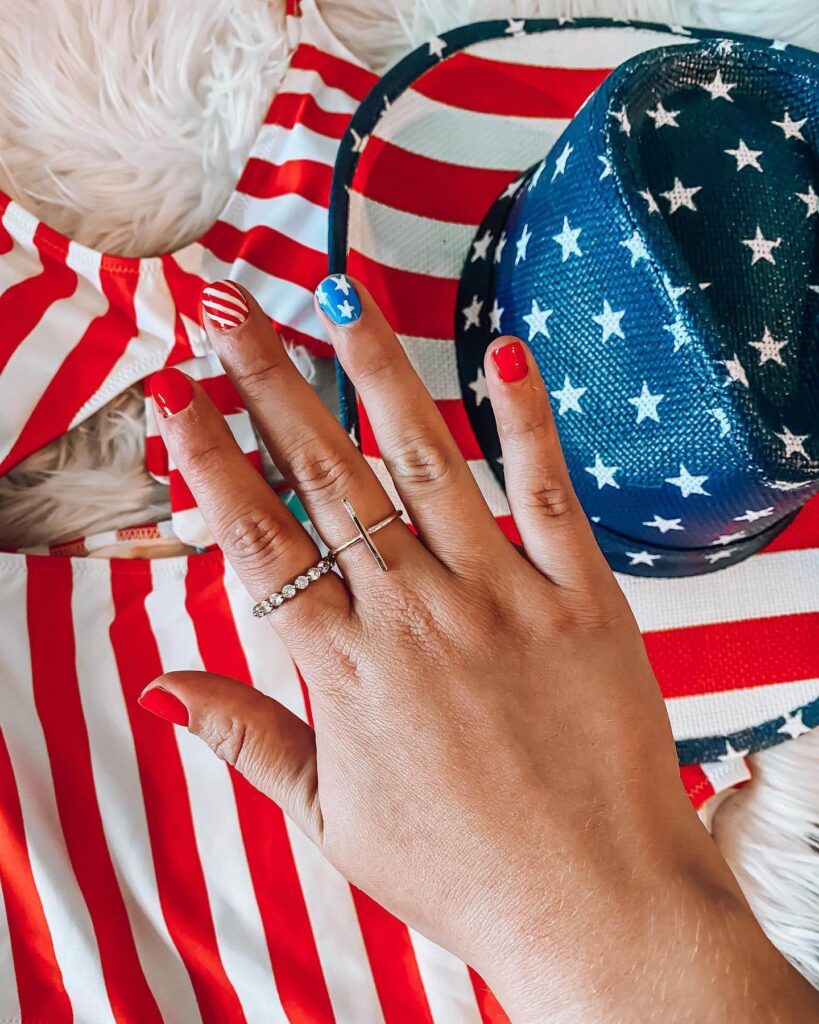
491	758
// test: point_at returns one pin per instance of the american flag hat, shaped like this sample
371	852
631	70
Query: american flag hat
638	202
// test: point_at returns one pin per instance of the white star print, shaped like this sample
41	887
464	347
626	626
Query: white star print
674	293
609	320
514	28
499	246
745	157
725	46
641	558
751	515
510	189
761	247
810	199
787	485
637	247
793	726
346	309
567	240
437	47
480	246
729	538
778	44
537	321
703	285
651	201
679	30
721	416
687	483
679	196
359	141
341	283
562	160
536	176
662	117
794	443
718	89
521	244
736	371
717	556
495	314
604	160
478	385
569	397
472	313
792	129
351	435
678	332
731	753
664	525
646	404
621	116
604	475
769	348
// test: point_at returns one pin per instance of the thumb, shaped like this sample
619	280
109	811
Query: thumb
264	741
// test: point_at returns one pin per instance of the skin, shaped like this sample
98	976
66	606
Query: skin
491	758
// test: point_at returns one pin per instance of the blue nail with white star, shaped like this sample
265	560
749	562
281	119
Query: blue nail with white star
339	300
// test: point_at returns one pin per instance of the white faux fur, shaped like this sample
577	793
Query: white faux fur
125	125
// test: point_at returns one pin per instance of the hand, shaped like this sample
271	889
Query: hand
491	758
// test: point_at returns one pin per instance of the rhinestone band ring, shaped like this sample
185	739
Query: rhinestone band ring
289	590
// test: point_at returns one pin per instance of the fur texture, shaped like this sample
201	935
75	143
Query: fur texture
125	125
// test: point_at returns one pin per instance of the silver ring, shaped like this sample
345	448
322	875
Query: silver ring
365	533
289	590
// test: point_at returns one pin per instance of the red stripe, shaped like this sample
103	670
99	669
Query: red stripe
392	960
489	1008
23	305
180	880
306	178
40	988
510	90
696	784
6	241
426	187
735	655
58	702
290	109
84	369
416	304
455	417
289	934
186	291
802	534
156	456
268	250
335	72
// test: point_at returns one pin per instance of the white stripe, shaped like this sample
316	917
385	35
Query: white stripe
66	913
594	48
336	930
289	304
742	591
119	793
435	361
277	144
9	1001
242	429
429	128
190	527
723	774
490	488
713	714
446	981
405	241
236	918
291	215
307	82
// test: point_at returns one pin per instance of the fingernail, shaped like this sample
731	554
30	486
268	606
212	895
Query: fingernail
338	299
171	390
164	705
510	360
224	305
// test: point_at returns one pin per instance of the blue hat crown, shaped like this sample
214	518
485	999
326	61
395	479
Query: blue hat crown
662	263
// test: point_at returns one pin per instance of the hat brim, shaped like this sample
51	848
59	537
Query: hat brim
425	157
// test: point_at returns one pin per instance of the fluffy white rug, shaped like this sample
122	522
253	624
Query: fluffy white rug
125	125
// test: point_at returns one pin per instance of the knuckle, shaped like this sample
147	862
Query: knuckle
419	460
526	427
226	736
372	367
549	495
319	469
254	534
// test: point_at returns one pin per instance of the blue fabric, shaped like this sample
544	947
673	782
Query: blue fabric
662	262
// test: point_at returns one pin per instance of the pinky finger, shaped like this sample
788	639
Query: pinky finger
554	529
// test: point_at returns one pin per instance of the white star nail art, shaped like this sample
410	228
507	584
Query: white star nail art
751	515
793	726
641	558
472	313
478	385
736	371
650	200
495	314
622	118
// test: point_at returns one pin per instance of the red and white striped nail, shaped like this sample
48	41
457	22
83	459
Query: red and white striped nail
224	305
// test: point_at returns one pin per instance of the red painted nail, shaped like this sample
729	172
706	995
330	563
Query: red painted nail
224	305
171	390
510	359
164	705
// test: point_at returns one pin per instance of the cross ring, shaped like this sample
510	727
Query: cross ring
365	533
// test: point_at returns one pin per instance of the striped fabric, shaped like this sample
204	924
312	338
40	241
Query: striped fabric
736	652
